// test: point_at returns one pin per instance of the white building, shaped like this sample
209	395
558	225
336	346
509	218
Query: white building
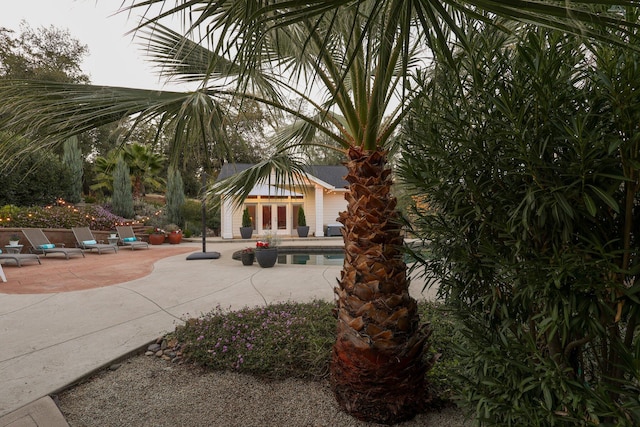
275	210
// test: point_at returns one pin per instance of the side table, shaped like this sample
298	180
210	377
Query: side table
13	249
113	241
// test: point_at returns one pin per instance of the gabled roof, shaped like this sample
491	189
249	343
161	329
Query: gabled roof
332	175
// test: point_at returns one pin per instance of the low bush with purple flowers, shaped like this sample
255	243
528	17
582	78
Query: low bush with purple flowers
274	341
295	339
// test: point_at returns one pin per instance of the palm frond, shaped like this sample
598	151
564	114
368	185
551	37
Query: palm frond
576	16
182	59
57	110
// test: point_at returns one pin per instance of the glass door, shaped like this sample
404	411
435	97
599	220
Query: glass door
252	215
281	217
266	217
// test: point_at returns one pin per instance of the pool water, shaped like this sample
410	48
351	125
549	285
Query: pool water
335	258
308	255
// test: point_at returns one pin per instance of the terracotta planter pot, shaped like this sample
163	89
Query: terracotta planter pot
156	239
174	238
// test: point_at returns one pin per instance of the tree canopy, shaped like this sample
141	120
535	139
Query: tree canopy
45	53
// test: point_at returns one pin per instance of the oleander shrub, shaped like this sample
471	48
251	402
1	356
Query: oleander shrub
523	159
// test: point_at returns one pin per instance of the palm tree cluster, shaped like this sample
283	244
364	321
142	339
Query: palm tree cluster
144	167
352	63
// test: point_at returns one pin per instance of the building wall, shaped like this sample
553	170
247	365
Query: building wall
334	203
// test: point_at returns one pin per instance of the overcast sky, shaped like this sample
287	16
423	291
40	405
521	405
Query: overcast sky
114	58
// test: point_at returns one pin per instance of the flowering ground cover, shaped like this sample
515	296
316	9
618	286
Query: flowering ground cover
294	340
95	217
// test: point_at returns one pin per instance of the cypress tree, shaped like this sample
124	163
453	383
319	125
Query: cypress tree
175	197
122	199
72	158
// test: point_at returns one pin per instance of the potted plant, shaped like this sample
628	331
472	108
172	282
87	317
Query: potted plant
174	233
267	251
247	227
14	240
157	236
303	228
248	256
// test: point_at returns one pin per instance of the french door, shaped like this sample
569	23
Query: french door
274	219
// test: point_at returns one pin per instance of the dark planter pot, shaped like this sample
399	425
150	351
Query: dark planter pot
246	232
303	230
267	257
248	258
174	238
156	239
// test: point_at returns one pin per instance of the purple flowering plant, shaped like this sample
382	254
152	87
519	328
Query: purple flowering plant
273	341
286	340
61	215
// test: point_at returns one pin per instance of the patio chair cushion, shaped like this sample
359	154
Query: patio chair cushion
47	246
89	242
129	239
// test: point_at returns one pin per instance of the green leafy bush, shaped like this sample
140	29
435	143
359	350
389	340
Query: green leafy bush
152	214
39	179
192	211
524	163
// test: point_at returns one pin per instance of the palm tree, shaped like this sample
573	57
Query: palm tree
348	60
144	166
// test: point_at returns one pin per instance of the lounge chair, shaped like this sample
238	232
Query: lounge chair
19	258
86	241
41	245
128	237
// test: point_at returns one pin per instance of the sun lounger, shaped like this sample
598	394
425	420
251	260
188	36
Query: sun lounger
40	244
19	258
128	237
86	241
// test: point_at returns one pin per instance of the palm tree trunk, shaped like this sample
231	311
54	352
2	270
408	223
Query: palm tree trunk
377	369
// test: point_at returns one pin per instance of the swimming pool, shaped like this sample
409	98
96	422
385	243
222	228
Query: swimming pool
308	255
311	259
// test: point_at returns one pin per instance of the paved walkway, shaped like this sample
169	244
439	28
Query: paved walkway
51	339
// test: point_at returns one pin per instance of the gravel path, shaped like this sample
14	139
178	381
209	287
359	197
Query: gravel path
145	391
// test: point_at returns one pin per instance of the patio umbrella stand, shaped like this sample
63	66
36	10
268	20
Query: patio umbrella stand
204	254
